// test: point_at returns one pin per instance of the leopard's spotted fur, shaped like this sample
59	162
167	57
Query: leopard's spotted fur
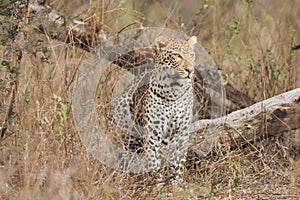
157	108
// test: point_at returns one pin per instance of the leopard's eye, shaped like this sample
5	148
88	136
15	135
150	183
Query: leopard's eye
177	57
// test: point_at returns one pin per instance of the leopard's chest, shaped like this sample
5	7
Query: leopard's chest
167	111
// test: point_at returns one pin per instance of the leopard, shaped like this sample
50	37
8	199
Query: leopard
156	110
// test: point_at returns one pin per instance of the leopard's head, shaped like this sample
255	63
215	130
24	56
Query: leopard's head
176	54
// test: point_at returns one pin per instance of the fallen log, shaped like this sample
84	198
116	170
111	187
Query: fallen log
264	119
83	33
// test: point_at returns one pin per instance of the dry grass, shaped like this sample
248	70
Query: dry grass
42	157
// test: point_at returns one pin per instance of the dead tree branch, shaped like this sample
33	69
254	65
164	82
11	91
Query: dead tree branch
281	112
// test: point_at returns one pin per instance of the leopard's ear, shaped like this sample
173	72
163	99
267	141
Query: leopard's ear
192	41
161	42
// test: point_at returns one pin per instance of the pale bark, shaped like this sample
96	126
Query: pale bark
267	118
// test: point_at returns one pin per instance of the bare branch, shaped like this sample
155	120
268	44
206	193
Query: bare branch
281	112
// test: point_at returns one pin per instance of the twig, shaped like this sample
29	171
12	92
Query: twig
28	12
9	111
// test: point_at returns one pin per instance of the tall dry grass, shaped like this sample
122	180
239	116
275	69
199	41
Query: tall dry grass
41	155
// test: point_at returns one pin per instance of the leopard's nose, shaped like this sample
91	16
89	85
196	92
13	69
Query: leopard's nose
189	70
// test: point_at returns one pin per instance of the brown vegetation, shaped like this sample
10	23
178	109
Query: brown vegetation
254	43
